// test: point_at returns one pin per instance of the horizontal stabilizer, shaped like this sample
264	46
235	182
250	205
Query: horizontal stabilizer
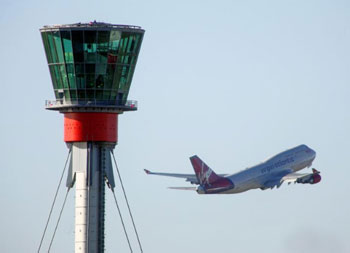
184	188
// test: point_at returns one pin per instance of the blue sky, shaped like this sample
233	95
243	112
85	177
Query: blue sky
231	81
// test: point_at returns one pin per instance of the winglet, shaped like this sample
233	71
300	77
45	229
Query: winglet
147	171
315	171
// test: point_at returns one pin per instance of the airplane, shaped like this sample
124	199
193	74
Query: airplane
271	173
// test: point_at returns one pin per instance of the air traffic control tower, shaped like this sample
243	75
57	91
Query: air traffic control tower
91	67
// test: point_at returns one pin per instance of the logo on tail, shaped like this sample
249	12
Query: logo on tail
209	181
204	174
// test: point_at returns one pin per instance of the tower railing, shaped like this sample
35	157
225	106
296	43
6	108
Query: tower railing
128	104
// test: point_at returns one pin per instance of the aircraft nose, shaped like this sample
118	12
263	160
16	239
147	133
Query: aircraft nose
312	153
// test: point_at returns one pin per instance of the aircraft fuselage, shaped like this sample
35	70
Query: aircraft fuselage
258	176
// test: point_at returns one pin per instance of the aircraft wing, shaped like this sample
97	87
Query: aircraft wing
192	178
293	177
302	178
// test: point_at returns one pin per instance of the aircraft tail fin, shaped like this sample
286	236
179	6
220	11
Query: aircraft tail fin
205	175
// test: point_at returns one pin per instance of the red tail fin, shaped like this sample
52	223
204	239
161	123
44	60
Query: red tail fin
208	179
204	174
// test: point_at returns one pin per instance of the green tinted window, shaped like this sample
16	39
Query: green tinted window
58	45
67	46
90	68
99	94
135	44
80	76
113	95
71	75
53	76
73	94
52	47
57	72
114	41
135	48
67	94
100	75
128	82
102	46
123	44
90	46
106	94
109	76
129	78
116	79
90	94
90	81
78	49
63	74
101	69
122	97
131	44
126	59
138	43
90	75
81	94
123	77
56	94
100	81
133	60
47	47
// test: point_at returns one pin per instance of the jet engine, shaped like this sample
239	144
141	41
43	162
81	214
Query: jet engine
311	179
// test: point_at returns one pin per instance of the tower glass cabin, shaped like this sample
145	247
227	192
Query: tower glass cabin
91	64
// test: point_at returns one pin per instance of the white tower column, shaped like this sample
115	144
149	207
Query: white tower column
90	167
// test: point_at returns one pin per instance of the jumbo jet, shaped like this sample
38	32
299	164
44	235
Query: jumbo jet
266	175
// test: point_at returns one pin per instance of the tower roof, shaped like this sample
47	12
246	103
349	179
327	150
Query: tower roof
92	25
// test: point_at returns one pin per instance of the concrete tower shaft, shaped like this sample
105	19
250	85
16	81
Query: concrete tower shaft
90	168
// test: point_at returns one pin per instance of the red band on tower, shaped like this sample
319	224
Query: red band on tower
90	126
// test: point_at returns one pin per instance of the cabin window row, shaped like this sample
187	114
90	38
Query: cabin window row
91	76
100	96
91	46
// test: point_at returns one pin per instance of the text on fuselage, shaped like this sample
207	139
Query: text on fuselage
276	165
